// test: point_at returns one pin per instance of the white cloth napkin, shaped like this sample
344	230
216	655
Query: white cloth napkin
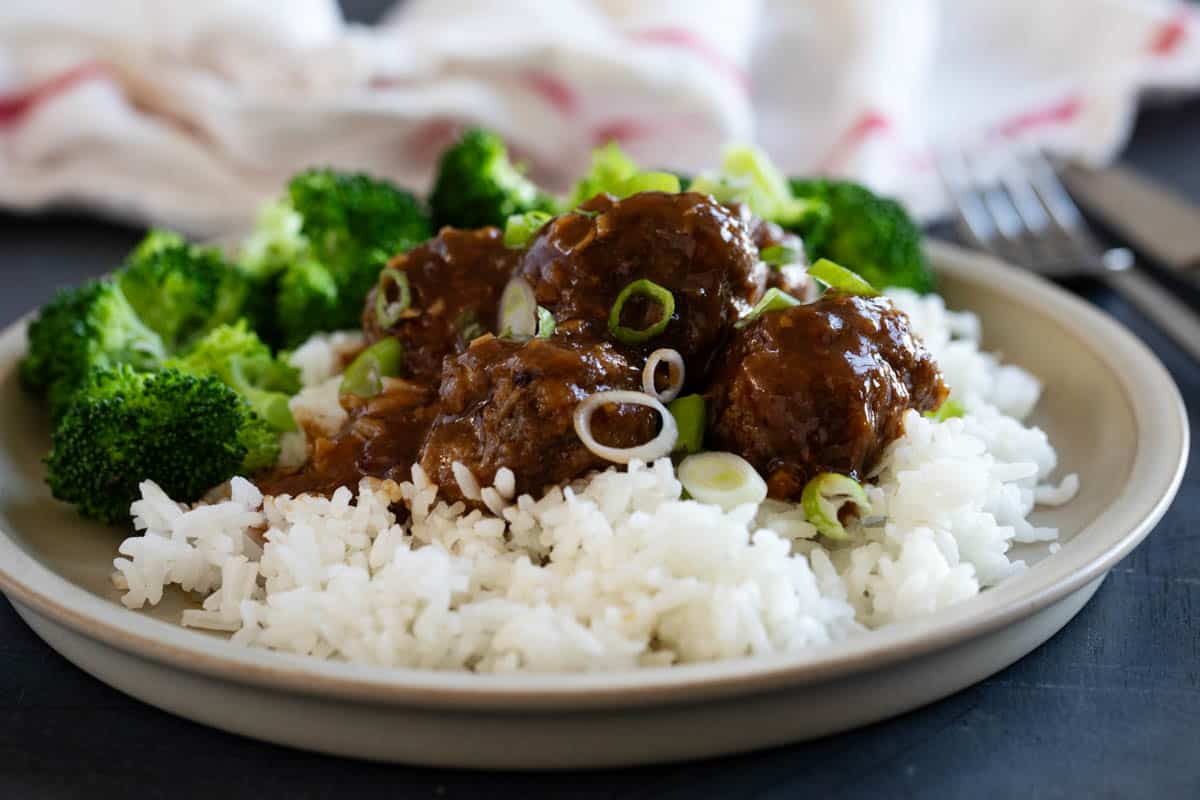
190	114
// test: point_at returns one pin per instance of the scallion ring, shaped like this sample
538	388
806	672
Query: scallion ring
389	312
520	228
690	419
649	182
949	409
779	255
835	276
823	498
772	300
518	317
675	374
546	323
364	377
722	479
661	445
651	290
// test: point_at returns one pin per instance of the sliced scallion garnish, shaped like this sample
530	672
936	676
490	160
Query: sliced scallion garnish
835	276
949	409
648	289
778	255
825	495
388	312
545	323
723	479
520	228
518	317
650	182
689	414
364	377
772	300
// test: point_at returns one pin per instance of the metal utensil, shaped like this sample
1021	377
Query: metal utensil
1015	207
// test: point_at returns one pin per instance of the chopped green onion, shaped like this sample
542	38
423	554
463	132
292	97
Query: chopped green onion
518	317
388	312
520	228
772	300
649	182
723	479
778	256
825	495
364	377
545	323
648	289
689	415
949	409
468	326
835	276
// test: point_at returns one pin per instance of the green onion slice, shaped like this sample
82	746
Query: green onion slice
689	414
389	312
949	409
364	377
778	255
520	228
468	326
546	324
675	374
772	300
825	495
723	479
518	317
835	276
651	290
649	182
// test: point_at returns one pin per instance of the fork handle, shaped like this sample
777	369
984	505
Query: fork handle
1177	319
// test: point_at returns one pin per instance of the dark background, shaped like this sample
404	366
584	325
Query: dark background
1110	707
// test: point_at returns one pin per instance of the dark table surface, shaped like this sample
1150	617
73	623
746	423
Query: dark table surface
1107	708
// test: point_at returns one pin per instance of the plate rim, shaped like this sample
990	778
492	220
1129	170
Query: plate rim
1162	450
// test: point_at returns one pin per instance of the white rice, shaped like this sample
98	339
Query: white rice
614	571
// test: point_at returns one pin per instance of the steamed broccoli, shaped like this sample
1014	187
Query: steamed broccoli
236	355
477	185
319	249
181	290
872	235
186	433
88	326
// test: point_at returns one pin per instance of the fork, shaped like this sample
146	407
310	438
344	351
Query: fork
1019	211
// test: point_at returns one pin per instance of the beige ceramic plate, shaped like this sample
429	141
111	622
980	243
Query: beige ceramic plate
1109	407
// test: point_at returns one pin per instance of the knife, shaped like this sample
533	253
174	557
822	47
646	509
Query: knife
1155	220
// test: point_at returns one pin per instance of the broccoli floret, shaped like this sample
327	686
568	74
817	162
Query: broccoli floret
184	432
88	326
319	250
236	355
477	185
181	290
870	234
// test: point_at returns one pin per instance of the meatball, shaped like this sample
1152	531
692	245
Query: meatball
510	404
791	278
821	387
455	280
687	243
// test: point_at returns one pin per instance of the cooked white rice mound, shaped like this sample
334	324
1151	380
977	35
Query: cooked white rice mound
615	571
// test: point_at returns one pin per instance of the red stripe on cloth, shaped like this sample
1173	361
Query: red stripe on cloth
1056	114
620	130
870	123
18	105
1170	35
556	92
688	40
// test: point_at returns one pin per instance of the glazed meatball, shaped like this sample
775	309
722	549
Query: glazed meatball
510	404
455	280
687	243
820	387
791	278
